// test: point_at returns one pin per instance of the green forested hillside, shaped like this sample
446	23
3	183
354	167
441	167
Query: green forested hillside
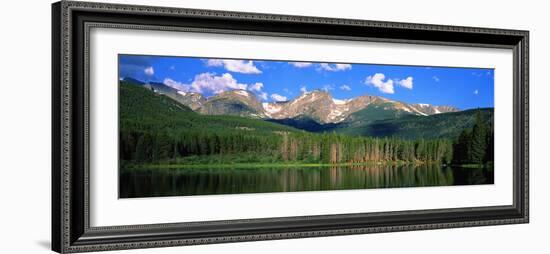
373	113
446	125
305	123
154	127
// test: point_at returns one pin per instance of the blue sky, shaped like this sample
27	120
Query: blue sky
464	88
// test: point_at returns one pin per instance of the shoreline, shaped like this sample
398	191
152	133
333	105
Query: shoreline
290	165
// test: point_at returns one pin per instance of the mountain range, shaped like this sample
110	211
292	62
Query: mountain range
317	105
318	111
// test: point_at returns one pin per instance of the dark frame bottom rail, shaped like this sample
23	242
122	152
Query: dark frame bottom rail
71	22
300	225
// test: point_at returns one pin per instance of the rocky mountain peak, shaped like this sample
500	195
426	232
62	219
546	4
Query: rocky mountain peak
236	92
233	102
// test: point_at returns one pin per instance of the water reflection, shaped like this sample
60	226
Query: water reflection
185	181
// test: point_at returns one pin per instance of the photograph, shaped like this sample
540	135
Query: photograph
236	126
204	126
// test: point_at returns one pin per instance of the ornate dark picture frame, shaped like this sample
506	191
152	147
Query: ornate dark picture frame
71	22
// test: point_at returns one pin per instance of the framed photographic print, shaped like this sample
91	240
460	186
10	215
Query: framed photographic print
181	126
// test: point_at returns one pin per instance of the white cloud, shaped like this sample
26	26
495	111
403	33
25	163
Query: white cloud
377	80
176	85
172	67
240	66
300	64
278	97
435	78
214	62
406	83
149	71
303	89
335	67
322	66
345	88
476	92
262	95
327	88
215	84
256	87
210	83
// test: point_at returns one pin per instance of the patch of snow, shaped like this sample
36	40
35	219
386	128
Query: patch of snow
387	100
334	114
437	111
407	109
340	120
241	92
423	105
271	108
182	93
339	102
419	112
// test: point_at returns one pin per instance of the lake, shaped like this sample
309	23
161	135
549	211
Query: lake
155	182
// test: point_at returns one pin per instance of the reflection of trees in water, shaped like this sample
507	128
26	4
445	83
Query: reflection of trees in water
390	176
472	176
173	182
334	179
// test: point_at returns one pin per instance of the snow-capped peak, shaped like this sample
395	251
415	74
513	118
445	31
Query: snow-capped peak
242	92
339	102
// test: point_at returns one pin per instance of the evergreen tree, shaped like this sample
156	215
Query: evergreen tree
490	154
140	150
462	147
479	140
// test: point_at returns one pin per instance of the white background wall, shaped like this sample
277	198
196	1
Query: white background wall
25	125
